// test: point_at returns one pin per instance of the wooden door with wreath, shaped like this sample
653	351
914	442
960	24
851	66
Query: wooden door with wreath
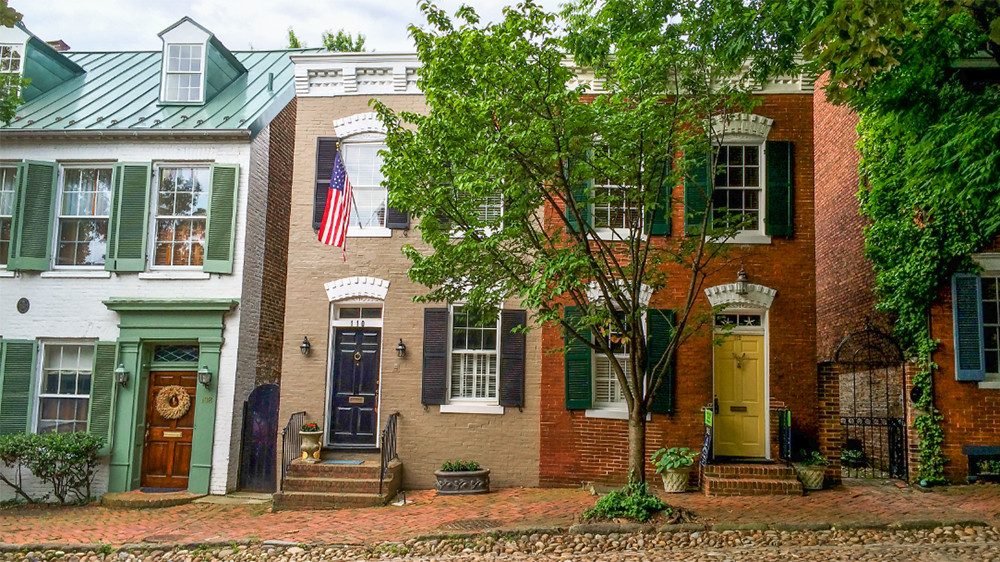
170	404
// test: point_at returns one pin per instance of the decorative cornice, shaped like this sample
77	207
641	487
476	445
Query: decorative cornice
357	287
757	296
742	124
594	292
358	123
119	304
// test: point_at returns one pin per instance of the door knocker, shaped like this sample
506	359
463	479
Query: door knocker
357	356
739	360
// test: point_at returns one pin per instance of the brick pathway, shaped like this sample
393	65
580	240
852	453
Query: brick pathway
510	508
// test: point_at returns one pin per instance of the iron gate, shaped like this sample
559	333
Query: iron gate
872	405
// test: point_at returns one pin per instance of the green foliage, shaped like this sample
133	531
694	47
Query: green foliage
852	458
812	458
989	466
65	461
8	16
293	40
673	458
634	502
11	85
343	42
460	466
309	426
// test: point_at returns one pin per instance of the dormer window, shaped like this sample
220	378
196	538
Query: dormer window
10	58
184	73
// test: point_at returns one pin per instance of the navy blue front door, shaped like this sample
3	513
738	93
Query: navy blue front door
354	405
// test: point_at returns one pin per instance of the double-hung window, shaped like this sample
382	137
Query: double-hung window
10	58
614	211
608	391
184	73
475	365
364	168
181	211
8	175
991	326
64	387
737	187
84	208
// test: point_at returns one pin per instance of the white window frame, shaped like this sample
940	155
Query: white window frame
757	235
164	73
15	48
13	193
471	405
379	231
612	234
40	379
59	216
153	216
487	231
991	380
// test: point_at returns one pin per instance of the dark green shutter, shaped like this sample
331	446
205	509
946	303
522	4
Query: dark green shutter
659	330
434	377
512	357
221	228
34	206
579	374
966	305
696	191
581	195
17	370
130	209
779	216
659	222
102	388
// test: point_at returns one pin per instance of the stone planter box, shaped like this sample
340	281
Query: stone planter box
810	475
310	445
676	481
469	482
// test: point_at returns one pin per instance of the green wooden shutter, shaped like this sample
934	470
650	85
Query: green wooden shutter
659	329
34	206
102	388
579	375
658	224
222	218
966	305
130	211
696	191
17	369
581	197
779	215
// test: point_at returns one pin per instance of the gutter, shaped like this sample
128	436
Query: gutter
128	134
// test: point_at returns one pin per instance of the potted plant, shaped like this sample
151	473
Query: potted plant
462	477
310	433
811	470
674	467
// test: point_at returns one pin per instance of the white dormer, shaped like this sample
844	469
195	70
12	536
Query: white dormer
13	43
188	48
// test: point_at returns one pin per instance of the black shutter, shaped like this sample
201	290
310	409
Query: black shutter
779	218
579	376
434	388
966	303
659	330
326	151
512	352
394	218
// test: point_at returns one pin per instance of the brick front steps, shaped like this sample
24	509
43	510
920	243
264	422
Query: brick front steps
331	486
751	480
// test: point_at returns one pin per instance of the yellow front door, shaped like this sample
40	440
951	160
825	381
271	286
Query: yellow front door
739	388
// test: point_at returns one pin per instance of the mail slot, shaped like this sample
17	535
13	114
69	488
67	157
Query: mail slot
174	434
356	400
737	408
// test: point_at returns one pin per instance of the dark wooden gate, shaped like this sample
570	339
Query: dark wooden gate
259	443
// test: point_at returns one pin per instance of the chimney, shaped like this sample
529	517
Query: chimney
59	45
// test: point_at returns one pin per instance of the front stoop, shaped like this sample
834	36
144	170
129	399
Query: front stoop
331	486
746	479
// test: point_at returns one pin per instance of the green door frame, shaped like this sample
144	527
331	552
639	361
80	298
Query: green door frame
144	322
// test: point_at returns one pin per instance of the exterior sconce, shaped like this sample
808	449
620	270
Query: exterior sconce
400	348
204	375
121	375
742	282
305	347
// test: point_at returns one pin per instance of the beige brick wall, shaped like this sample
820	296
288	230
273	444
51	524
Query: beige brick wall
508	444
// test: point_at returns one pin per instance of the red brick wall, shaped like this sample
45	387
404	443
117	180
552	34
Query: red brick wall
575	448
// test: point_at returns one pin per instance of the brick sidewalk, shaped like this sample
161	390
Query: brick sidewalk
859	503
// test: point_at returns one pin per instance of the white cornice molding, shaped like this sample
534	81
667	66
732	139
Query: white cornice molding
989	261
741	125
757	296
594	294
357	287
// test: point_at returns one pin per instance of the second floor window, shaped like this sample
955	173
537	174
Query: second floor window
85	204
183	76
613	209
737	187
364	168
8	176
181	211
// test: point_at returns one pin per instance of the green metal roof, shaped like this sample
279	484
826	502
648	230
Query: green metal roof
119	93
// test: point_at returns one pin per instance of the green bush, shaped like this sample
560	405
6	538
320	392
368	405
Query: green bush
812	458
460	466
634	502
673	458
65	461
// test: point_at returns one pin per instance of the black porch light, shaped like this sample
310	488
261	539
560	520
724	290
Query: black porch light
305	347
400	348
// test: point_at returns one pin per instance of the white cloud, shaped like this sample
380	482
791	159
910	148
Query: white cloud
239	24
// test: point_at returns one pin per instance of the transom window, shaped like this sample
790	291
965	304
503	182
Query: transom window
356	312
364	168
991	325
85	204
8	175
737	187
175	353
181	210
608	391
64	389
183	76
737	320
10	58
475	369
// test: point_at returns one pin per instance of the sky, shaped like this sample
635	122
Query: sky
239	24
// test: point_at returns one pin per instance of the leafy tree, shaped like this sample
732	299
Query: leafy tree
293	40
339	42
506	119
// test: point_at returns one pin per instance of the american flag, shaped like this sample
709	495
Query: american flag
336	217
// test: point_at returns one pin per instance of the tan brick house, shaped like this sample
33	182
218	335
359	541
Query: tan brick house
463	388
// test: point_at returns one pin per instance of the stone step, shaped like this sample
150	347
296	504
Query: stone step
369	469
751	471
288	500
714	486
349	485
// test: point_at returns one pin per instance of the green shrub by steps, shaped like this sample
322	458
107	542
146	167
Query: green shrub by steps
634	502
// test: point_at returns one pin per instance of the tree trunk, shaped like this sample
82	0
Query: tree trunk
637	445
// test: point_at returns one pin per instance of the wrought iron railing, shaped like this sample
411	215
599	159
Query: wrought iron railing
291	444
784	434
389	453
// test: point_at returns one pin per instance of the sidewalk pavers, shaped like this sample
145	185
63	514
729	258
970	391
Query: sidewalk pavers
854	504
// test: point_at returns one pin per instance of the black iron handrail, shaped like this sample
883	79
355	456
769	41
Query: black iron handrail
389	453
291	444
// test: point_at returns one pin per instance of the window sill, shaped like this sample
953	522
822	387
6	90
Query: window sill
610	414
990	385
5	273
369	232
77	273
164	275
471	408
616	234
748	238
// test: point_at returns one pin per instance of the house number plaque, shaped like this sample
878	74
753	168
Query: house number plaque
356	400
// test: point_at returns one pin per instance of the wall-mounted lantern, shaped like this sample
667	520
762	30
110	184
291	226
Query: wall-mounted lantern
121	375
400	348
305	347
204	375
742	284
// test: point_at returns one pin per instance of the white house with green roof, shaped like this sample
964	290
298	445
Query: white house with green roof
143	232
